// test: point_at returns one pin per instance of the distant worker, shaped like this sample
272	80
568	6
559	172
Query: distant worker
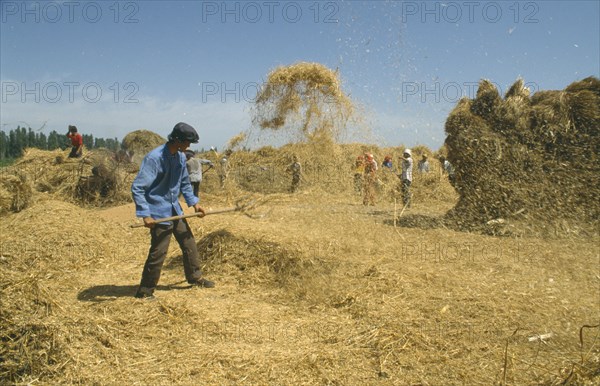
224	167
76	142
359	171
406	176
194	167
387	162
124	156
296	170
370	179
448	169
423	166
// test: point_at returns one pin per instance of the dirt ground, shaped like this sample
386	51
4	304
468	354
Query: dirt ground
319	290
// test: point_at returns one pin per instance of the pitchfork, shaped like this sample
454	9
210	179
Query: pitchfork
240	206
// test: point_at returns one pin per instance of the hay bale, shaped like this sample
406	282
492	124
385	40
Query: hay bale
140	142
536	156
15	191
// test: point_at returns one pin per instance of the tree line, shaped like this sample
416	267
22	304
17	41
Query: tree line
15	141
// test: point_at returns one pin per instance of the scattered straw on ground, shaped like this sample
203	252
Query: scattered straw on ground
323	290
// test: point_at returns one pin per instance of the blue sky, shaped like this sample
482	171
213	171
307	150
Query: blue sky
113	67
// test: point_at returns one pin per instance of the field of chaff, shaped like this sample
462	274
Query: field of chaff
494	280
315	288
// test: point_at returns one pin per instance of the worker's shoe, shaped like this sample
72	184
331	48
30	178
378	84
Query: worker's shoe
144	296
145	293
203	283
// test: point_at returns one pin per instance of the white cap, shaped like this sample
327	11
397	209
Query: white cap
408	151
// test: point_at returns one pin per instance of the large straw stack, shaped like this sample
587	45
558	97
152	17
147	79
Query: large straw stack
531	159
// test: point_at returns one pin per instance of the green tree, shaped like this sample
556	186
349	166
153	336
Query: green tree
54	140
21	141
3	145
113	144
99	142
41	141
88	141
31	142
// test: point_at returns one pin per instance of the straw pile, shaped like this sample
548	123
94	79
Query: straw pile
306	95
258	262
15	191
97	179
528	159
47	245
140	142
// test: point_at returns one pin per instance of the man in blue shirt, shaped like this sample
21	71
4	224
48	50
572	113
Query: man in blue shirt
423	165
162	176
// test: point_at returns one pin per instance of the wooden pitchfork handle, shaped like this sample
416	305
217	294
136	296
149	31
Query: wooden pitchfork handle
159	220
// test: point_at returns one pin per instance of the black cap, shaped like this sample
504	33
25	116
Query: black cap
184	132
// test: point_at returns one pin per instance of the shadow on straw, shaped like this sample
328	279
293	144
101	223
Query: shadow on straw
103	293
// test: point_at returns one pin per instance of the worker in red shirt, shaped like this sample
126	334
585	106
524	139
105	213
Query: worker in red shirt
76	142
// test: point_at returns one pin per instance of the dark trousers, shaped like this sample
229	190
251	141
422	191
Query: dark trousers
295	183
406	196
74	153
196	187
160	239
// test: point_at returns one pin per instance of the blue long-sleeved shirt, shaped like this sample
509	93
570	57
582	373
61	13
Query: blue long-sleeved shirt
161	178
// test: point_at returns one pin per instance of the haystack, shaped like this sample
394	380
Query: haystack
531	159
15	191
258	261
96	179
140	142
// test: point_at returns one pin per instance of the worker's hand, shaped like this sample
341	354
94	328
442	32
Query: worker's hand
199	209
149	222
